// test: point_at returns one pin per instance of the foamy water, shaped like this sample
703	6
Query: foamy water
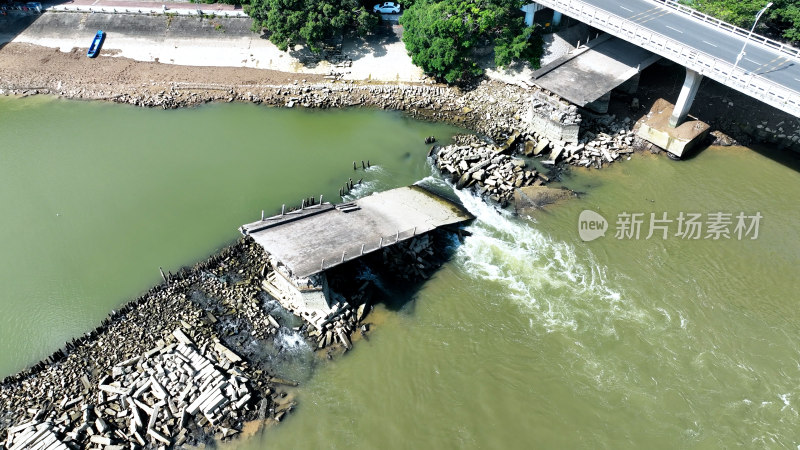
290	340
533	266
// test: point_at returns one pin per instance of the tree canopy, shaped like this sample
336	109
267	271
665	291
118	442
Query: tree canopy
441	35
781	20
309	22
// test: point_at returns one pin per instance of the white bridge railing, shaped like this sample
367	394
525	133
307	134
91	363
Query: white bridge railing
779	46
754	85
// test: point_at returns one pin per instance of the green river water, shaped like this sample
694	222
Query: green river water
528	337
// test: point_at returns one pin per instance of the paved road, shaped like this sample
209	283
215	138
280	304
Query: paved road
704	37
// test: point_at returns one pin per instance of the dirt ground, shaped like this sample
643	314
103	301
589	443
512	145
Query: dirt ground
27	66
215	42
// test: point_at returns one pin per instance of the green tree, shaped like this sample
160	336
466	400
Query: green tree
786	18
310	22
441	36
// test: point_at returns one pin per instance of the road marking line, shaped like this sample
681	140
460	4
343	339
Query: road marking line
769	67
626	9
675	29
754	62
653	17
709	43
643	14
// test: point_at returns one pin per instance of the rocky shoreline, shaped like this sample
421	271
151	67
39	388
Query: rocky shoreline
191	362
492	108
97	387
523	120
185	364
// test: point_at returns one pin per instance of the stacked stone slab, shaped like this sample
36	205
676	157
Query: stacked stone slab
33	435
609	141
148	400
480	165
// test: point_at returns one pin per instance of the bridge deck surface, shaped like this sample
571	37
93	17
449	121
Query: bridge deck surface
590	75
702	36
301	241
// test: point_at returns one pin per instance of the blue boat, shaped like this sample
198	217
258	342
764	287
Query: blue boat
94	50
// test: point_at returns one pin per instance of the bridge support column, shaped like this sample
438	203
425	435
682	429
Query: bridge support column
686	97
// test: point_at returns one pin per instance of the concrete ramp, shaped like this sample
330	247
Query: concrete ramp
591	72
319	237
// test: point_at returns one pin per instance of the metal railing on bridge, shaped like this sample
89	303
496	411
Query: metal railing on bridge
358	250
727	73
775	45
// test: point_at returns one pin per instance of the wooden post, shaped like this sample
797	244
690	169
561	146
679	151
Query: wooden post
166	280
354	166
320	199
363	166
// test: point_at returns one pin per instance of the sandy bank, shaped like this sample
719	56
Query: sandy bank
214	42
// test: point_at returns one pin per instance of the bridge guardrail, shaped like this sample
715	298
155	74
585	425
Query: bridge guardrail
751	84
360	249
771	43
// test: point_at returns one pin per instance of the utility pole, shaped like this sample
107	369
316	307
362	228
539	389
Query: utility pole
749	35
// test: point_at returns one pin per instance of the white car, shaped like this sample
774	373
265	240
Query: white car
387	8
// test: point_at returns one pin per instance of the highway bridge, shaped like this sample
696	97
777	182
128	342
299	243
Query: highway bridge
768	71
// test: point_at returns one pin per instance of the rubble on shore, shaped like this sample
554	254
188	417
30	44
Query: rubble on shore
492	108
478	164
185	364
497	172
188	363
152	398
606	140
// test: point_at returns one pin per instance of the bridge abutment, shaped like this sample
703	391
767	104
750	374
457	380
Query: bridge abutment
685	99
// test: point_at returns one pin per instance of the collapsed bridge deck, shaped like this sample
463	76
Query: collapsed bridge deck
317	238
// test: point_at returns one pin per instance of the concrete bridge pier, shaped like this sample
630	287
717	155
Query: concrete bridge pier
685	99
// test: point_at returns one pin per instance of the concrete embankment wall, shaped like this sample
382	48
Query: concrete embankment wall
77	25
169	39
